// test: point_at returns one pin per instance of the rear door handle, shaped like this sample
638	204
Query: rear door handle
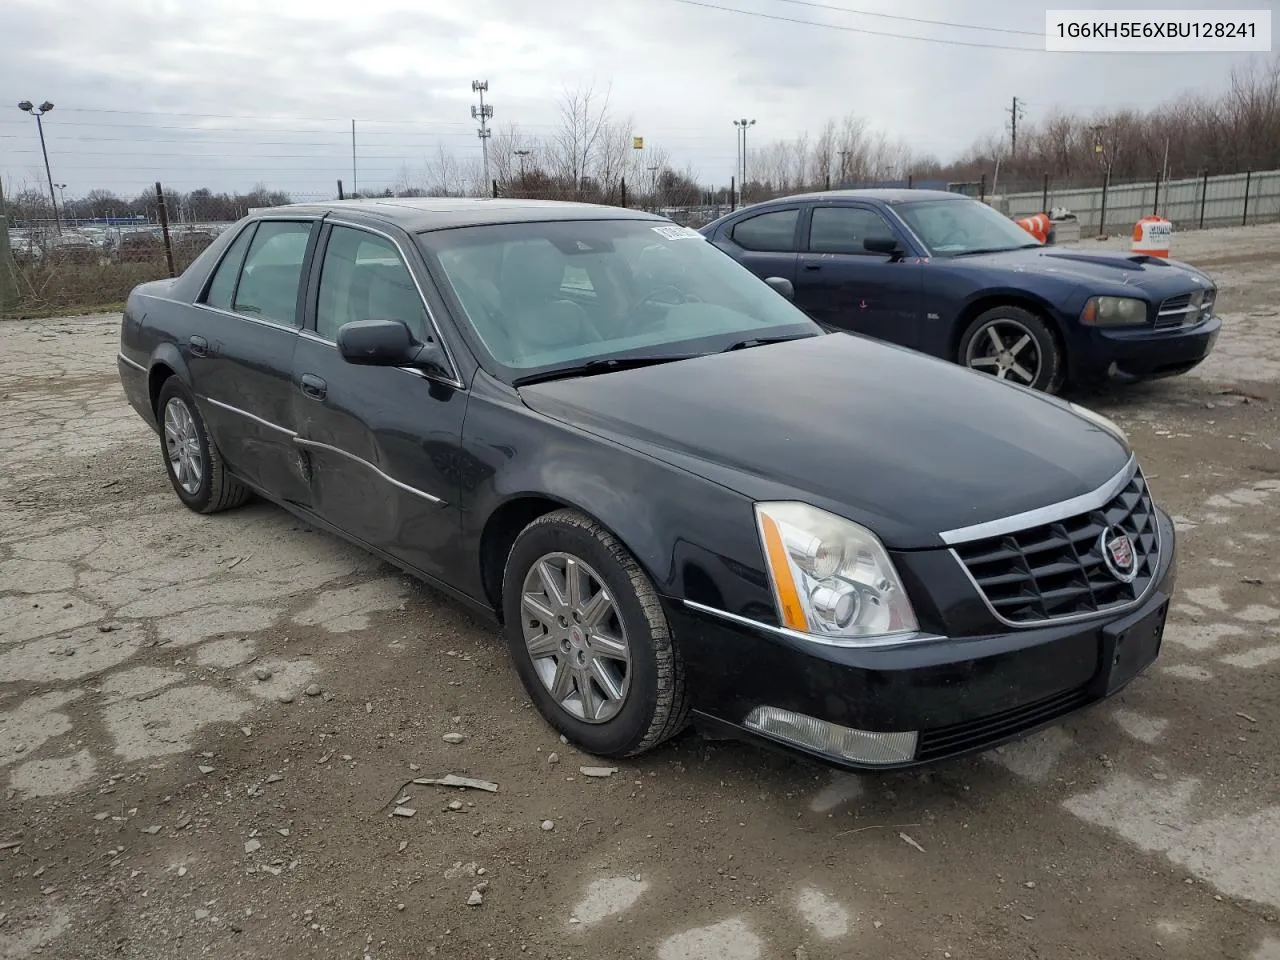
313	386
199	346
813	266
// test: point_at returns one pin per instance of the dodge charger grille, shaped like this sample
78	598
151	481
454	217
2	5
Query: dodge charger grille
1059	569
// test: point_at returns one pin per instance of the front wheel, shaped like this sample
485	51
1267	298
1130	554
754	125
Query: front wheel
1014	344
589	639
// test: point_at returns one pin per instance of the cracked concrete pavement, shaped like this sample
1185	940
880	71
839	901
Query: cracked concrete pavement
206	722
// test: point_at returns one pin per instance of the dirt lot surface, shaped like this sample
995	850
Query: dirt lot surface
205	724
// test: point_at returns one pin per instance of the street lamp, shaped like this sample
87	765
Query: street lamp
26	106
742	130
522	154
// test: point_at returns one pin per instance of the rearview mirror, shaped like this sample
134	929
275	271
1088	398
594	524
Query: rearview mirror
889	246
783	286
386	343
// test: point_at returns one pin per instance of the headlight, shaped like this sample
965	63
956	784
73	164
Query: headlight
1113	311
1108	425
831	578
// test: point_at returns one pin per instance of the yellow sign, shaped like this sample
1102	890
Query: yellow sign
637	143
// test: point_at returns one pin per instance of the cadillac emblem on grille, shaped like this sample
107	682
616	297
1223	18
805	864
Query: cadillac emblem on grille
1117	553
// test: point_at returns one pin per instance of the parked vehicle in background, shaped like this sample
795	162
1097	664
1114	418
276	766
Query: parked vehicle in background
948	275
679	496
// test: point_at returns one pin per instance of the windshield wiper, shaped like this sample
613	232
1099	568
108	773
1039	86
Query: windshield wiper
603	365
762	341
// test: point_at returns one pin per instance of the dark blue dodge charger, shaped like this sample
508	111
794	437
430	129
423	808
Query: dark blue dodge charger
949	276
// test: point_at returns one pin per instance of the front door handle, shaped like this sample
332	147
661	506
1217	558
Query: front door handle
313	386
199	346
813	266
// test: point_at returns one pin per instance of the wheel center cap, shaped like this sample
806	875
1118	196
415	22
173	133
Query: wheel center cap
575	634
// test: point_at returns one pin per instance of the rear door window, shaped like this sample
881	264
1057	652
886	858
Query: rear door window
772	232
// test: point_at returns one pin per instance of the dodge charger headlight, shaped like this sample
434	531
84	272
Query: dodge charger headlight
831	578
1114	311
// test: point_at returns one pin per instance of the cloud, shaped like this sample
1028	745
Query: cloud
178	91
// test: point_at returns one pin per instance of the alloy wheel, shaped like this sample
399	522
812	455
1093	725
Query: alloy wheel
1006	349
183	445
575	638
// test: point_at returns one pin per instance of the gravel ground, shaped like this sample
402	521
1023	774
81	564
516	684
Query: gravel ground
207	723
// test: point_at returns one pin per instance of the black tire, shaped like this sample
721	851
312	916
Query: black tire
1011	324
655	707
217	489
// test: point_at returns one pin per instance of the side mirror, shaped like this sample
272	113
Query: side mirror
889	246
386	343
783	286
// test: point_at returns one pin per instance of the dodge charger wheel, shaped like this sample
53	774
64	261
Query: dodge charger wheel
195	469
1013	344
588	637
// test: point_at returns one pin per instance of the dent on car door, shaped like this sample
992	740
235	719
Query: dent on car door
240	354
765	243
381	442
844	285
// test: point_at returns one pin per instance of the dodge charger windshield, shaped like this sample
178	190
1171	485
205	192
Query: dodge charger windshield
950	228
552	296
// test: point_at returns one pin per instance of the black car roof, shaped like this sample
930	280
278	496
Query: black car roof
417	214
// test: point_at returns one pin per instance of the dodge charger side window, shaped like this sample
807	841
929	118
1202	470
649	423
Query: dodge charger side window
843	229
268	285
223	287
362	277
773	232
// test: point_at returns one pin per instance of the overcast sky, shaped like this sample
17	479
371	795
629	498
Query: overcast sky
184	90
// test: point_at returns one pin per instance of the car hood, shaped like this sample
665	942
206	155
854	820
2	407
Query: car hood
905	444
1156	277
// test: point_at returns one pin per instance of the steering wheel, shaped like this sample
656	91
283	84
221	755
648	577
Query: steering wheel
652	298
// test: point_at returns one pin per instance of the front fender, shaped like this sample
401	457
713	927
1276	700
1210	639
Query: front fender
695	539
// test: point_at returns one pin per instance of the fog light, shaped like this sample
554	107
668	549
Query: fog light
833	740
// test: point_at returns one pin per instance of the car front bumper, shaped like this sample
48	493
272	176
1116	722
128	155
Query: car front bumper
1128	354
958	695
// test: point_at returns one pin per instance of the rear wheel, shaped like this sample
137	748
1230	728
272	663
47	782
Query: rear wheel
196	470
589	639
1012	343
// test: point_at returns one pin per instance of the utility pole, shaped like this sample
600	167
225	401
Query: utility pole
482	113
1015	114
522	154
742	129
354	186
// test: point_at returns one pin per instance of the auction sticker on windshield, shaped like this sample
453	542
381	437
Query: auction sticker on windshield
673	232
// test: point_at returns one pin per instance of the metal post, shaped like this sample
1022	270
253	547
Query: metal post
8	269
495	189
1044	195
982	188
164	227
340	196
733	187
624	191
1204	193
1244	218
910	181
354	189
1102	215
53	198
1155	204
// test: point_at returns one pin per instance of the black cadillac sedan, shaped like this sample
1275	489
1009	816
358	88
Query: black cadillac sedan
680	497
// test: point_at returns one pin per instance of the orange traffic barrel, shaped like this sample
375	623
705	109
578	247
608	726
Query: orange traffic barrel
1151	235
1038	226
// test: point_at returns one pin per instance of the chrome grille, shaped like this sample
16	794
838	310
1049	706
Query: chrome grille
1184	308
1057	570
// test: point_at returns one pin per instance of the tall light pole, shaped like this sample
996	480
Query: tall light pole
742	130
522	154
28	107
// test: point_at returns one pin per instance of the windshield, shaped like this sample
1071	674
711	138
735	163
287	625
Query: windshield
544	295
950	228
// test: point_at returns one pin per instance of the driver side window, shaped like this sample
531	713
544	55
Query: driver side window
362	277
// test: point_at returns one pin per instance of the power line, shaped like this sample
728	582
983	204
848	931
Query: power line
862	30
898	16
